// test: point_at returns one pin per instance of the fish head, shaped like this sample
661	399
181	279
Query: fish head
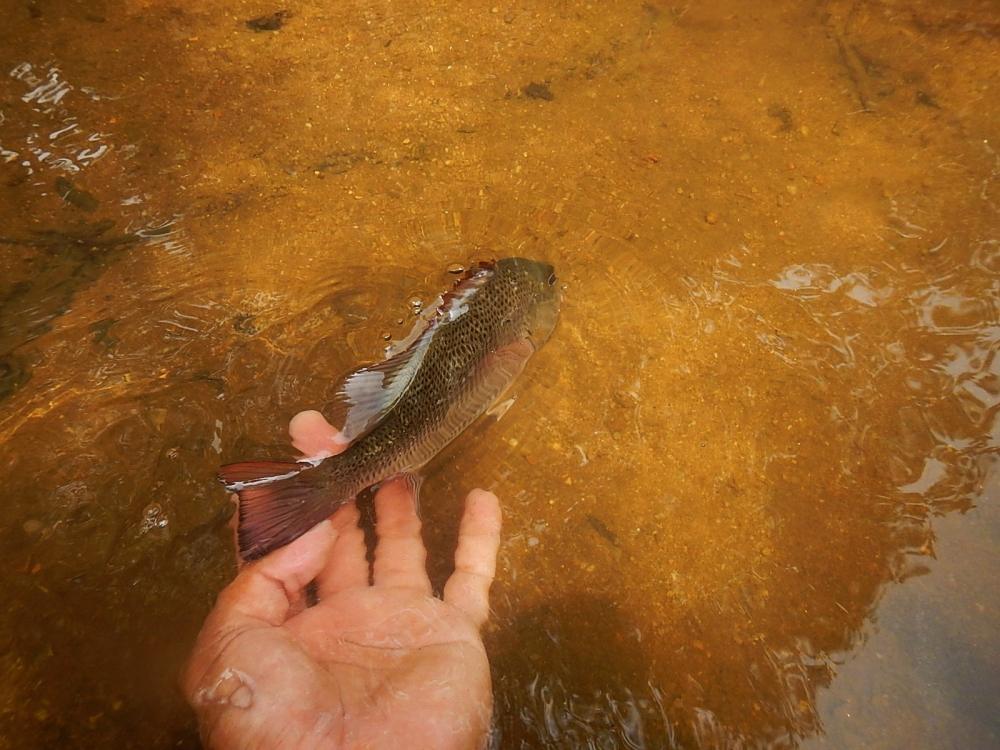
534	297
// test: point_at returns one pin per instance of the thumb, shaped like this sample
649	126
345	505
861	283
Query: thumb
261	596
263	592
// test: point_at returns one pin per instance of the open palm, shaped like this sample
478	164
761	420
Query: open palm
369	666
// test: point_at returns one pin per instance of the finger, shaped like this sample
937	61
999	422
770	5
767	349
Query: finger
468	588
263	592
399	553
262	595
347	566
314	437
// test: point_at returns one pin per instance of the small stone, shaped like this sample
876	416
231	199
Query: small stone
32	526
711	217
244	323
538	91
269	22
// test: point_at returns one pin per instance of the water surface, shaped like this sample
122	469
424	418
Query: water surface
750	486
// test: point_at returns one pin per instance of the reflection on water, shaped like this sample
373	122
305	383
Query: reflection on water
750	485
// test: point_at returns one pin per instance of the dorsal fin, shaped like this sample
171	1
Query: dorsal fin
367	394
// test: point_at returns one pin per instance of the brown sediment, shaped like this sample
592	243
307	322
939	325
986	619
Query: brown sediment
772	385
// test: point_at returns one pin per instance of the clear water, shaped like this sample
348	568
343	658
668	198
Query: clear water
750	486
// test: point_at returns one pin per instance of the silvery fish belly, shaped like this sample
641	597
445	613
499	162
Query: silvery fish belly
399	413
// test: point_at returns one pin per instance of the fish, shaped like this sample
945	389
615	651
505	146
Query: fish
460	359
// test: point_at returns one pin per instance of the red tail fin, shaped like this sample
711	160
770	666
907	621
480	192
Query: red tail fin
278	502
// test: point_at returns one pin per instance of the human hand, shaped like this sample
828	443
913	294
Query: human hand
369	666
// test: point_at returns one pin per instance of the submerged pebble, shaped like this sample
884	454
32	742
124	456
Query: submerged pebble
269	21
538	91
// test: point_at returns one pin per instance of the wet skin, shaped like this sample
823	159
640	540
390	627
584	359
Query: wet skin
386	665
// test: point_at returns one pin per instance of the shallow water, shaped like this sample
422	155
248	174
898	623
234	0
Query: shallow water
750	486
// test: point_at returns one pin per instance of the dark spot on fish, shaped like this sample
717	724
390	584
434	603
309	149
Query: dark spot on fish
603	531
538	91
269	21
783	115
244	323
925	99
76	197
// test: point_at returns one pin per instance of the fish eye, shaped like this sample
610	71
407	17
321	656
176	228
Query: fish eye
552	279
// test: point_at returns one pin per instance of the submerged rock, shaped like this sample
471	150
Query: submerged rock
269	21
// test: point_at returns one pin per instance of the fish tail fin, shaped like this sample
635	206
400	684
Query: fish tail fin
278	502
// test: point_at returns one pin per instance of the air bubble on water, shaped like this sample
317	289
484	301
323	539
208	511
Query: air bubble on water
456	268
386	336
153	517
416	305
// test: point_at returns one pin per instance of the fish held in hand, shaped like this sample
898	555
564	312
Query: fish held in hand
399	413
